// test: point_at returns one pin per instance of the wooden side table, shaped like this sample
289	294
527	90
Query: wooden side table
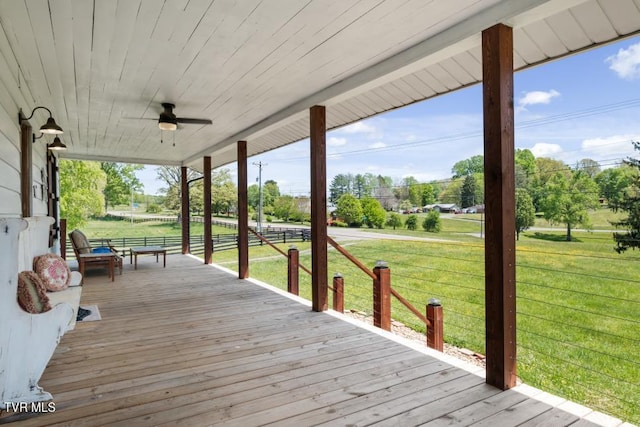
153	250
104	259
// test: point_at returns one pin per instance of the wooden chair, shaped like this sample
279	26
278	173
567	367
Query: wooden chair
81	245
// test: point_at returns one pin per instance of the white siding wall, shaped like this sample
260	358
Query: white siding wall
13	96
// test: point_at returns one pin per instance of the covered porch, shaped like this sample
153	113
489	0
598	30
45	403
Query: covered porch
193	344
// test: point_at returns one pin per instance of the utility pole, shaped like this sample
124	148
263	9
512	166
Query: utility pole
260	165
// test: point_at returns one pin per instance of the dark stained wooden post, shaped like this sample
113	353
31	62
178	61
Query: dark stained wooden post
63	238
293	271
26	165
318	142
184	206
499	179
435	334
338	292
243	213
208	242
382	297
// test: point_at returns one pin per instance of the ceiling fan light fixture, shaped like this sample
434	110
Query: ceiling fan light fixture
168	120
167	125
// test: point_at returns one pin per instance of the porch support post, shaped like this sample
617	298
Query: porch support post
63	238
208	243
319	286
499	181
243	213
26	164
184	206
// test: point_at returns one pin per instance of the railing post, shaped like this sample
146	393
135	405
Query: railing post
435	335
338	292
292	270
382	296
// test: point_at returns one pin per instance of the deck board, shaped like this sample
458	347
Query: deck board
192	345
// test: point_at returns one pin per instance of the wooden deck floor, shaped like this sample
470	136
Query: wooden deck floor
190	344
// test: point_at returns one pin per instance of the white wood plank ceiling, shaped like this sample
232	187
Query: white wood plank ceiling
254	67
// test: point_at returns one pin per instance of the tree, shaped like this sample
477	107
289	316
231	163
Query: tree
452	192
224	197
568	199
284	207
383	192
270	191
403	190
172	175
361	186
224	194
546	169
374	214
526	160
394	220
613	182
412	222
589	167
468	192
525	167
121	182
631	205
196	197
81	191
253	196
468	166
432	222
415	192
348	209
340	184
525	212
428	194
405	206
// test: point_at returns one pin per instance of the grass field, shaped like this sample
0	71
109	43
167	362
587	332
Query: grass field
578	302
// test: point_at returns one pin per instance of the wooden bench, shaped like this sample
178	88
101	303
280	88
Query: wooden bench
27	341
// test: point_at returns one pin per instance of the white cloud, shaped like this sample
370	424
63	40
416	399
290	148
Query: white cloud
537	97
378	144
626	63
336	142
543	149
358	127
610	147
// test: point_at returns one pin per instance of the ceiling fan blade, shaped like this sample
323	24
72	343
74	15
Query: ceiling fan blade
193	121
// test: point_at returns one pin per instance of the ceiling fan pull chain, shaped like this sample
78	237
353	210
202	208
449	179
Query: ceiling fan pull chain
161	136
174	139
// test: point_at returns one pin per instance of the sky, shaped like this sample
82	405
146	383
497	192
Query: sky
583	106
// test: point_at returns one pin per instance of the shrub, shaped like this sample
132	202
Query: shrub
412	222
432	222
395	220
153	208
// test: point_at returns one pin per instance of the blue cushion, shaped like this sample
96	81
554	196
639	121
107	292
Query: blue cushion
101	250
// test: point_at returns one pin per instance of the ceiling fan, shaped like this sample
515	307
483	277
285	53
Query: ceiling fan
169	121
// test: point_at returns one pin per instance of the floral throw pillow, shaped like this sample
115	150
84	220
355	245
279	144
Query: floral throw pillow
53	271
32	295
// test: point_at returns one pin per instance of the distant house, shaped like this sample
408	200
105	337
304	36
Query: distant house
442	208
474	209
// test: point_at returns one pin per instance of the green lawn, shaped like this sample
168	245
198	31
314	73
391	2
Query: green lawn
578	302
